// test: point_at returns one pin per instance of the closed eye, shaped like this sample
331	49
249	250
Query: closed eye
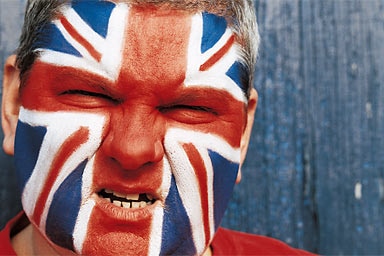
87	93
189	114
90	94
187	107
87	98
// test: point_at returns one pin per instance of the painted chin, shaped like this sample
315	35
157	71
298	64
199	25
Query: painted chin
117	230
117	243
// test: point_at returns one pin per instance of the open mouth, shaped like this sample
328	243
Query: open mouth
129	201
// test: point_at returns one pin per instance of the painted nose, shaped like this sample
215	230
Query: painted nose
135	139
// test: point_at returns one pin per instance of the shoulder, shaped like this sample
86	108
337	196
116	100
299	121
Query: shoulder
229	242
14	226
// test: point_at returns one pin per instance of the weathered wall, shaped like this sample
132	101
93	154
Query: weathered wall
315	168
314	176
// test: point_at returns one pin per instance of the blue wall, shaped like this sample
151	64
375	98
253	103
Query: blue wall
315	168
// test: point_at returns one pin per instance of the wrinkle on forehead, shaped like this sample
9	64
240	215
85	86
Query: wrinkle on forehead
156	46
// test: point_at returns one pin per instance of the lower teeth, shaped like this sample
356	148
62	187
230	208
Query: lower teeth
132	205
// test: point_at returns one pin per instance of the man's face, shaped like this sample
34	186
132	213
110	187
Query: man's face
128	139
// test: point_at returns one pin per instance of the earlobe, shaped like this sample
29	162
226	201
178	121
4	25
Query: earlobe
10	103
251	109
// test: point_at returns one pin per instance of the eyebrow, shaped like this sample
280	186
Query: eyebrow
197	93
93	81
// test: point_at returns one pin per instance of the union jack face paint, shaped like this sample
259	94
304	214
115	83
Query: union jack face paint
128	139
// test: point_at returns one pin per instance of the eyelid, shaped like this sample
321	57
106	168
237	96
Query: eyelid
188	107
89	93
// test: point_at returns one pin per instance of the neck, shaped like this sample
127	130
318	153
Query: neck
36	245
208	252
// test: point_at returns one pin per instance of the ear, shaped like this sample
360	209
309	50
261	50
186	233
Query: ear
251	109
10	103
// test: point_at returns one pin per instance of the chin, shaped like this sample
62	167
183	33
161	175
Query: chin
116	243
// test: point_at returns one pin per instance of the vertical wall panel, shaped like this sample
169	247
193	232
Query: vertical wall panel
276	175
326	102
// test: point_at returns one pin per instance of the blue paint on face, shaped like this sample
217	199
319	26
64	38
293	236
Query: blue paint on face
213	29
27	147
175	226
65	207
51	38
95	13
239	75
225	173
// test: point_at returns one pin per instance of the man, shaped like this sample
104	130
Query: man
128	122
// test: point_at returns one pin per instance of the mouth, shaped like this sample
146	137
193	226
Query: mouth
128	201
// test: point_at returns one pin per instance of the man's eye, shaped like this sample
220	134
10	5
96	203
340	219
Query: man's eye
87	93
190	114
84	98
188	108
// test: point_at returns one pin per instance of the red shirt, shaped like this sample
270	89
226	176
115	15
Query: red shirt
229	242
226	242
14	226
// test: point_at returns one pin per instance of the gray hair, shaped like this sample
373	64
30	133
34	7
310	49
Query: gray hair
240	15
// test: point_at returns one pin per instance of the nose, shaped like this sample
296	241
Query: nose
134	138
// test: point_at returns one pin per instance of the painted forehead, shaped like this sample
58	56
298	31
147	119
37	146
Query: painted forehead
93	36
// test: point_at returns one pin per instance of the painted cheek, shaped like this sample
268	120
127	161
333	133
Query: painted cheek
204	168
52	152
198	164
62	155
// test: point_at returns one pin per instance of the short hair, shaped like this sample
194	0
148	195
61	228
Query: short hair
240	15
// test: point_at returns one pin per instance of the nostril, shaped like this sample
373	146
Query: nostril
133	153
135	137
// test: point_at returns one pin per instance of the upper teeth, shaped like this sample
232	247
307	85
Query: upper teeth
127	200
127	196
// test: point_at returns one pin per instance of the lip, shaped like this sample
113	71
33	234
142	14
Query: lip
128	215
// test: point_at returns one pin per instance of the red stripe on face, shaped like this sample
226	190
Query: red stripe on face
79	38
46	89
108	236
66	150
227	122
201	173
218	55
155	51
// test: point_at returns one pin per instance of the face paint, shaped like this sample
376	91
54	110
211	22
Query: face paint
129	107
